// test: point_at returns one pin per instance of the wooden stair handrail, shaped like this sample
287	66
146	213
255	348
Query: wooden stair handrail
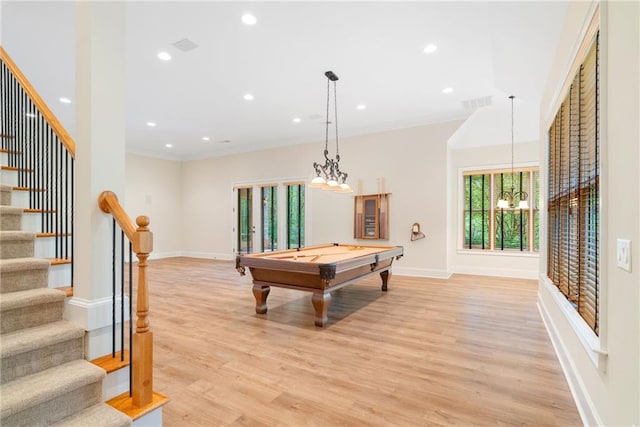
46	112
141	238
142	241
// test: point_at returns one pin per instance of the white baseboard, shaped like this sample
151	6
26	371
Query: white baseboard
497	272
209	255
94	314
161	255
584	404
421	272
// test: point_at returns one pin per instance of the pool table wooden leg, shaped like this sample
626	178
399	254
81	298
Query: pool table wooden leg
385	279
321	305
261	293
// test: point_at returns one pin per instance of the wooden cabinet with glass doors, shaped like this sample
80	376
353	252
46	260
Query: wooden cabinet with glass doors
371	217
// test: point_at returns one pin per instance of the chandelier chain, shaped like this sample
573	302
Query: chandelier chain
326	133
512	141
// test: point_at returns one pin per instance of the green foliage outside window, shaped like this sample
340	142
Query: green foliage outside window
295	216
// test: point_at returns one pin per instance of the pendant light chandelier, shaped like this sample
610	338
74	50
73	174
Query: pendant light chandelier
328	175
507	199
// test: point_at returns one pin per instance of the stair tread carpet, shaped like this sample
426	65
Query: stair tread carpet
5	195
21	264
32	390
20	299
10	210
24	340
10	216
101	415
16	244
21	274
16	235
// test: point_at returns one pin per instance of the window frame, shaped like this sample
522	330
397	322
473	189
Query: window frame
496	170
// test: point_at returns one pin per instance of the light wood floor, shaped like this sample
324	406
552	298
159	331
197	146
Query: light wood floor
466	351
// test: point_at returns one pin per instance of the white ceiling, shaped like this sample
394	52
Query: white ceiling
376	48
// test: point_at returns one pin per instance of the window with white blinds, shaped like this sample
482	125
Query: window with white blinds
574	192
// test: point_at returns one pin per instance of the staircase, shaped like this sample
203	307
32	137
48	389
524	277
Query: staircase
45	379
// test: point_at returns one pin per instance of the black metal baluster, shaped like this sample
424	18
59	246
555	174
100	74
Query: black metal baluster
113	289
12	142
20	136
56	195
72	221
46	188
130	318
121	295
33	138
67	231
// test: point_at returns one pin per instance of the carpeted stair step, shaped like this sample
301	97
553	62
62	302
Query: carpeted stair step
101	415
28	351
21	274
10	218
5	195
16	244
52	395
26	309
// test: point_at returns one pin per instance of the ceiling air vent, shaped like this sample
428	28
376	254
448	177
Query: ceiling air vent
185	45
471	105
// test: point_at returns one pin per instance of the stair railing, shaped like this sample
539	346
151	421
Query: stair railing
142	340
42	153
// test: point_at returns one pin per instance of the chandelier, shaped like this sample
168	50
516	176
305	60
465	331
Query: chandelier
507	199
328	175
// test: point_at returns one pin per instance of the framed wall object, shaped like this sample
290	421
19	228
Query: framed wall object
371	216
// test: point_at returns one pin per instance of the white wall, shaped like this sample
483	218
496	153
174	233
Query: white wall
412	162
153	188
486	263
606	387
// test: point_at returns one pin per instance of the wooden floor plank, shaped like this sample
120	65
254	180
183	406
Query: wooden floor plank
464	351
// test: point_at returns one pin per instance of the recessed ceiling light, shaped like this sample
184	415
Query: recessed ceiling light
248	97
361	107
168	145
65	100
430	48
206	138
447	90
151	124
164	56
30	115
249	19
297	120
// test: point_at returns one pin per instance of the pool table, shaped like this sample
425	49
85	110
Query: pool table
318	269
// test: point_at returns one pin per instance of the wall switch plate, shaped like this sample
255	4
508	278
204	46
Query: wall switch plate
623	254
